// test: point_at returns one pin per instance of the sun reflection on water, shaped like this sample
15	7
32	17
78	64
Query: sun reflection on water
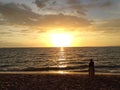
61	58
62	66
62	72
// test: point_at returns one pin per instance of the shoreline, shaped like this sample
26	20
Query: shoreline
55	72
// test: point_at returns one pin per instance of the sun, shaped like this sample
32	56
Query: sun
61	39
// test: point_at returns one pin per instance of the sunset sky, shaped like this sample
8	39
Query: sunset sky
30	23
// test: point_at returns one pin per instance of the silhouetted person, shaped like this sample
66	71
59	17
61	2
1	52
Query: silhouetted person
91	68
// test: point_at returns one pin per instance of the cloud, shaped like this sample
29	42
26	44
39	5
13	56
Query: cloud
99	4
61	6
17	13
77	6
106	4
4	43
5	32
22	15
108	26
41	3
62	20
73	1
112	23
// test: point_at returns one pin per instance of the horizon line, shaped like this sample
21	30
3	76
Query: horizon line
59	47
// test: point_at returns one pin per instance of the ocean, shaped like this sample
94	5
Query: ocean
68	59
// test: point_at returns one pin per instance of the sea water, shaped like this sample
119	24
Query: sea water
68	59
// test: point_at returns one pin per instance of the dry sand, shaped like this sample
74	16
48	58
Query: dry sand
10	81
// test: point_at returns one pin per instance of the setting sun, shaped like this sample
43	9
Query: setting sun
61	39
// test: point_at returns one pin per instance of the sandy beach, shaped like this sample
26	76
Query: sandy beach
44	81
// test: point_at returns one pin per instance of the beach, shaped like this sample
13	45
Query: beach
57	81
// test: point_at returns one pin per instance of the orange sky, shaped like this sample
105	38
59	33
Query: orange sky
31	23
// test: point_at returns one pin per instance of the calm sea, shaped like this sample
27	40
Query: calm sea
106	59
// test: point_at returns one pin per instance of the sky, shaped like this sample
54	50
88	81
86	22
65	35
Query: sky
30	23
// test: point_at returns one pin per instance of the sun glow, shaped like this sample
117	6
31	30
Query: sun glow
61	39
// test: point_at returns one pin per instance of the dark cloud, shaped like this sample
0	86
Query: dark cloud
66	6
54	2
79	9
40	3
22	15
77	6
106	4
99	4
73	1
24	7
17	13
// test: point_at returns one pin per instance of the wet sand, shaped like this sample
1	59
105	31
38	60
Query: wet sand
44	81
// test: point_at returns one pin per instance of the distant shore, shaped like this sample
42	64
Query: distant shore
57	81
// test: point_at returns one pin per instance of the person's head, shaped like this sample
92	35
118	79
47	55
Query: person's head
91	60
